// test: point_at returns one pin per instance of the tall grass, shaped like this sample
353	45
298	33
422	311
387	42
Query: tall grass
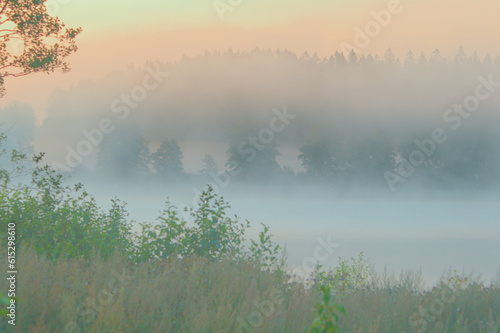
196	295
201	295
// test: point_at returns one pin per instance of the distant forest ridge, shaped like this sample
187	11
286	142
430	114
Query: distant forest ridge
352	57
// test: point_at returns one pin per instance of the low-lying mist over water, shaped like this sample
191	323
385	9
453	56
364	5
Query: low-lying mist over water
399	158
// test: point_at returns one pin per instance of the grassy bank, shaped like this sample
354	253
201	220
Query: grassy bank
199	295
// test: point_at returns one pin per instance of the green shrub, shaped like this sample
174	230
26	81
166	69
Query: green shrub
211	234
65	221
327	317
347	276
59	220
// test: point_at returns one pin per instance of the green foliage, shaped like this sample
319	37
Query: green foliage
18	166
327	317
42	40
211	234
265	251
347	276
65	221
58	220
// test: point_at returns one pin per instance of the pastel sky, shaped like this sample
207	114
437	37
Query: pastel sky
117	33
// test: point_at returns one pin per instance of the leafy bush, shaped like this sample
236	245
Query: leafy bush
65	221
211	234
58	220
347	276
327	319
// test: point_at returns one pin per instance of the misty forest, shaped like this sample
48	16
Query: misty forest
252	190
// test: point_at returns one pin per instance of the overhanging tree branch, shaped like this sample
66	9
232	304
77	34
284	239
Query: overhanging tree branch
45	39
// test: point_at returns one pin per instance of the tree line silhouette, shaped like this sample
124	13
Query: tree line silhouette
467	159
352	58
